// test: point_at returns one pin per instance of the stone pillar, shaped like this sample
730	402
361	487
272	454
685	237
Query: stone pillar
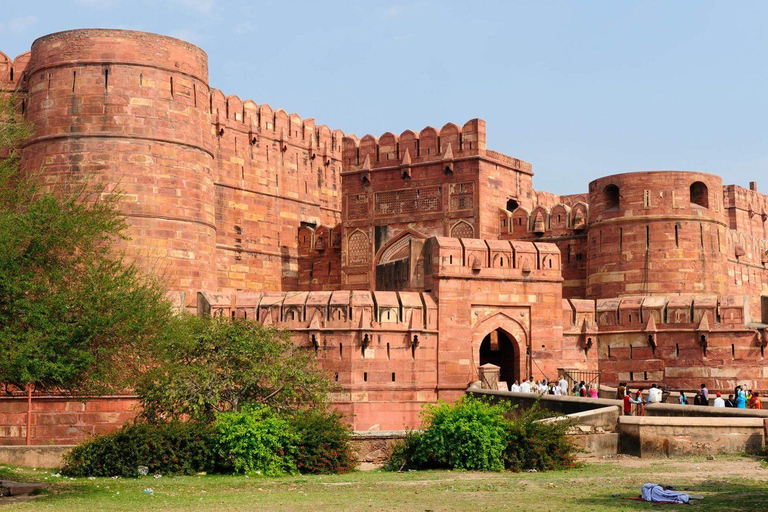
489	376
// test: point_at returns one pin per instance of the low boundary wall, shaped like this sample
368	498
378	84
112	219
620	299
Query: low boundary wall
658	436
666	429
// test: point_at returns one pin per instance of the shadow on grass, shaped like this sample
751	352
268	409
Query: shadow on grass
746	495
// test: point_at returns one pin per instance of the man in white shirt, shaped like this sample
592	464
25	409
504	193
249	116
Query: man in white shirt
515	387
654	395
563	386
525	387
719	402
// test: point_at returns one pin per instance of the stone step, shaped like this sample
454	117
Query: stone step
10	488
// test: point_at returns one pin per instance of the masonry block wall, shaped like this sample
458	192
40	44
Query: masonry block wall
379	347
272	172
434	183
682	341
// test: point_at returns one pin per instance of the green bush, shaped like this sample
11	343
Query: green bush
323	445
401	457
167	448
475	435
254	440
469	434
533	444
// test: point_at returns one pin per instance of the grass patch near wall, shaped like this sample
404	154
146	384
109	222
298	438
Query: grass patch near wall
728	483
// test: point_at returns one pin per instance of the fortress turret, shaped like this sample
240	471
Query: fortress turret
130	111
653	233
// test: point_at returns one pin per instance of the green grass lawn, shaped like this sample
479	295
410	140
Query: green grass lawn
728	483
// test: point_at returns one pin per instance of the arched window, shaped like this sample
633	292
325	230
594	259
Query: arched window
700	194
611	197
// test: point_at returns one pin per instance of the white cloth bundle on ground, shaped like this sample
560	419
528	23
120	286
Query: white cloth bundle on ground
656	493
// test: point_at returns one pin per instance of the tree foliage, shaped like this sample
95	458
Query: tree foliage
74	314
214	365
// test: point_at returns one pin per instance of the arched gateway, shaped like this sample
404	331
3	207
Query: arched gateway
501	340
498	349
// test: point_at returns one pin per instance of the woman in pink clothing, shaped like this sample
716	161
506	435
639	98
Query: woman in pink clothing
592	392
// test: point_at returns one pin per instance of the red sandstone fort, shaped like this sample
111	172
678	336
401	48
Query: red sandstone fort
405	262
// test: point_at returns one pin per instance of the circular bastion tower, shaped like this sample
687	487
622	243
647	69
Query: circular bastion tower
656	233
129	111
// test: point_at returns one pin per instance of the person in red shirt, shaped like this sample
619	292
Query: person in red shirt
627	405
755	402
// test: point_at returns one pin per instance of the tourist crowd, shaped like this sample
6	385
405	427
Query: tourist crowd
742	398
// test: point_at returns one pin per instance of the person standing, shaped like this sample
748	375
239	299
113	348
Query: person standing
525	387
719	402
704	395
627	404
741	399
515	387
755	402
621	391
698	400
563	386
640	402
730	402
682	399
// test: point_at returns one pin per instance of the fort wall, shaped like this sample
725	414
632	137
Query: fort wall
272	172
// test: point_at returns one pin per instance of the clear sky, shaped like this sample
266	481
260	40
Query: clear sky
581	89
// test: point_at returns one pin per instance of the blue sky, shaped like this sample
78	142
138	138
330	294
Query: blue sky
580	89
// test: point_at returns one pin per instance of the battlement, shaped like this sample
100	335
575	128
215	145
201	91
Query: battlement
429	144
543	220
750	200
247	117
13	72
698	312
326	310
508	259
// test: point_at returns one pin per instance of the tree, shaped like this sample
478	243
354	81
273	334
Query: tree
74	315
213	365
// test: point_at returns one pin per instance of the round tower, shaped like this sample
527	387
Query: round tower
656	233
129	111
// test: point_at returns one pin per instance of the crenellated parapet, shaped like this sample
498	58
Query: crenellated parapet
746	209
260	125
560	219
321	311
500	259
13	73
683	311
416	148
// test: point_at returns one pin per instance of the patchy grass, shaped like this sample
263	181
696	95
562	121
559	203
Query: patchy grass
730	483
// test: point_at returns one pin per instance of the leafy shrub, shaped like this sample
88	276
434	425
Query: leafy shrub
401	457
469	434
323	445
533	444
475	435
167	448
254	440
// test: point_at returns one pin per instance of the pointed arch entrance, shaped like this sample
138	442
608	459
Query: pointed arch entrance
497	348
500	339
